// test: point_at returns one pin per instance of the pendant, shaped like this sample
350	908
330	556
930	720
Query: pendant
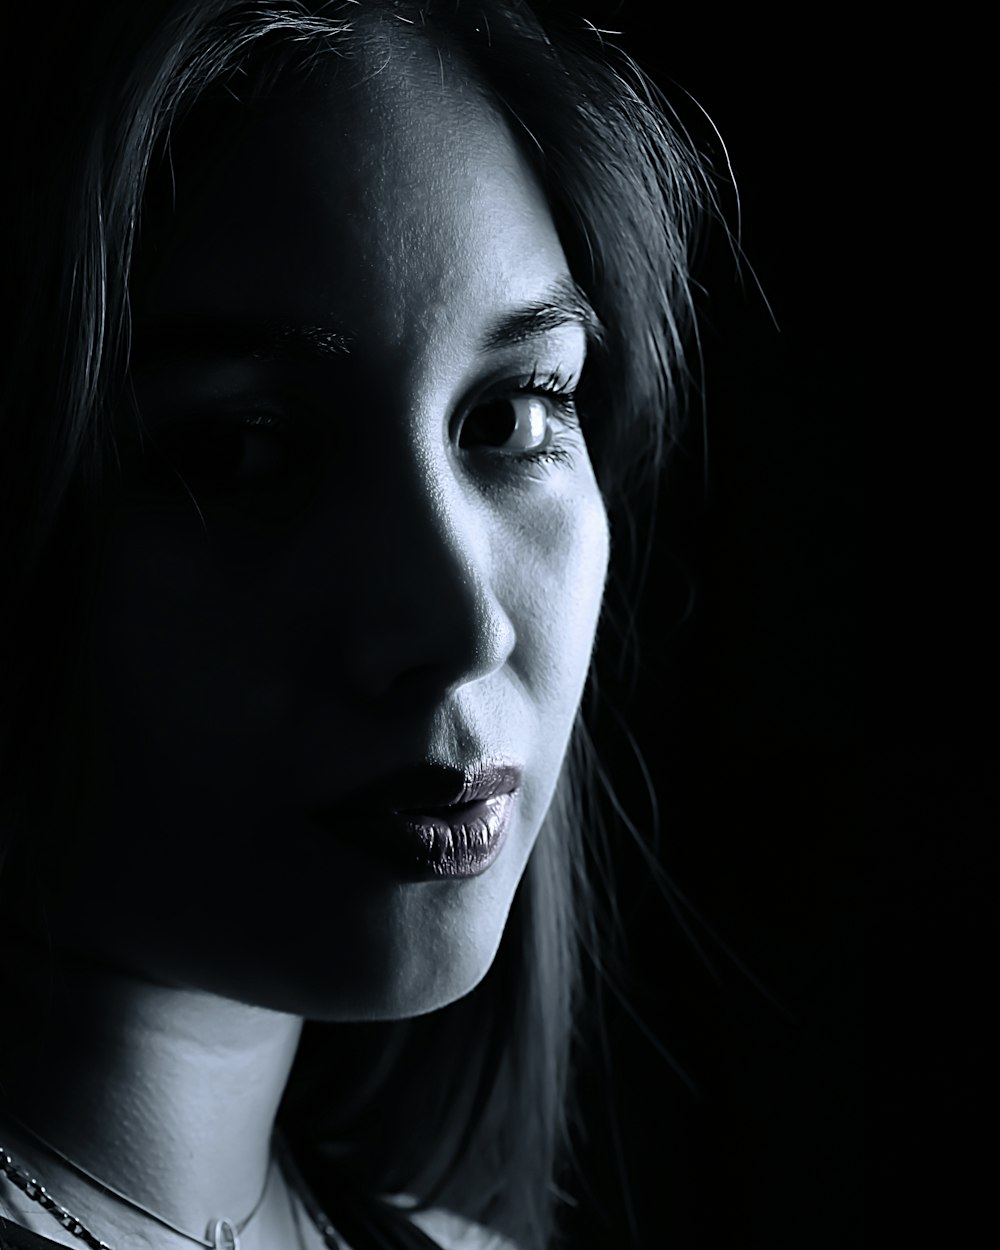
224	1235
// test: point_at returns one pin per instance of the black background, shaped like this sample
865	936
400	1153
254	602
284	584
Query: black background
747	710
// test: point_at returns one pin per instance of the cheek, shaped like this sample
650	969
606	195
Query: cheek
207	714
183	678
180	614
556	572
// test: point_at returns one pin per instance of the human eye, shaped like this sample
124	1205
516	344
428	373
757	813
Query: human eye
530	421
223	452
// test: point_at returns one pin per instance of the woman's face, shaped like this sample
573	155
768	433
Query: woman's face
356	567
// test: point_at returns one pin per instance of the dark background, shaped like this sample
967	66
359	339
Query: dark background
747	712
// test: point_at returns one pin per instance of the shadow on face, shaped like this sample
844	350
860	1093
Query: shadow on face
360	531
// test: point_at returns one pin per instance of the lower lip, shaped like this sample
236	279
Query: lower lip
446	844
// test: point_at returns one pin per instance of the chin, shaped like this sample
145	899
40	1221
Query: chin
426	947
426	979
398	994
408	1001
393	964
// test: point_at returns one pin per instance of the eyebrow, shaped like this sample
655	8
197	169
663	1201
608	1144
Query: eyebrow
197	336
564	304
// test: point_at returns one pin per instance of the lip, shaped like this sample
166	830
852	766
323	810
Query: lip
430	822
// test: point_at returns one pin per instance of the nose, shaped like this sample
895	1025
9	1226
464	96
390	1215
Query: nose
419	613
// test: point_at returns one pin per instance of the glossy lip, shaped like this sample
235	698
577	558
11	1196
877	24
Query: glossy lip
430	822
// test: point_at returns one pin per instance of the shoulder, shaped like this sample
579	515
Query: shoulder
454	1232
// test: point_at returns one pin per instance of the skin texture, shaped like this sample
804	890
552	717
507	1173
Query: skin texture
427	598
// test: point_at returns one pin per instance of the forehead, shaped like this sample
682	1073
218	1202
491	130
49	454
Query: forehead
389	195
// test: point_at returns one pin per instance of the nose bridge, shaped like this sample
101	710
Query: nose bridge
426	606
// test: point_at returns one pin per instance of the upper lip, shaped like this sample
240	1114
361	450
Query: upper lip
418	787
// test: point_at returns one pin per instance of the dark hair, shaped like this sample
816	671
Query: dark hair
104	88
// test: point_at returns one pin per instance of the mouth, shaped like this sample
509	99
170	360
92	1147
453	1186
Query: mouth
430	823
447	811
428	844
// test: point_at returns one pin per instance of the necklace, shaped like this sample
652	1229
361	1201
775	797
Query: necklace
37	1193
224	1233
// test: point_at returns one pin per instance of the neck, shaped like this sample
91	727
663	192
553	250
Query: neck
169	1095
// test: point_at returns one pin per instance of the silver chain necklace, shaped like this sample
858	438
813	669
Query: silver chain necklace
38	1193
224	1233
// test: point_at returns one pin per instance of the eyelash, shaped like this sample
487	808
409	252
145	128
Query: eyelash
557	389
560	448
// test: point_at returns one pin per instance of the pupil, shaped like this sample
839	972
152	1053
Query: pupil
495	421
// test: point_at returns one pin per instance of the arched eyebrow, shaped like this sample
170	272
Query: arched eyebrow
204	337
195	336
564	304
